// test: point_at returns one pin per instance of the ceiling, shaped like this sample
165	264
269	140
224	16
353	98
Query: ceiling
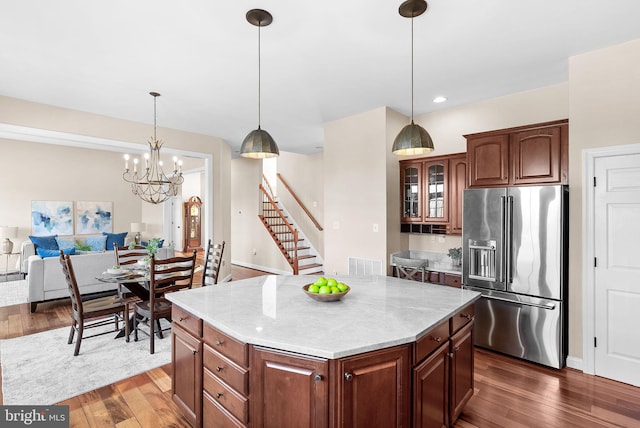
321	60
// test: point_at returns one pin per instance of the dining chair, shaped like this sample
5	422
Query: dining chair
91	313
212	262
165	276
411	269
124	256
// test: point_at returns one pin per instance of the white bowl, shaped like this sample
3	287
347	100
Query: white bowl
114	271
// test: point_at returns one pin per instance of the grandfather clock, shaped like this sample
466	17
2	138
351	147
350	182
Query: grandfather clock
192	225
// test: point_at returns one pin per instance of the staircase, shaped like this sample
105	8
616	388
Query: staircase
290	241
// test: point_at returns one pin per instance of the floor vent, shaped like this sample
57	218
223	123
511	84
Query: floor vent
362	267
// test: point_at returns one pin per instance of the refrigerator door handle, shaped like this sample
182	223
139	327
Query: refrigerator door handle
503	228
549	306
509	239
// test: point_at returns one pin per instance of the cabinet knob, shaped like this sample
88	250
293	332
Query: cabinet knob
456	349
194	351
219	394
317	378
436	339
182	319
348	376
467	316
450	355
219	342
219	369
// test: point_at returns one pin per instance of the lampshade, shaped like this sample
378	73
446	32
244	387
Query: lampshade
259	145
412	140
138	227
8	232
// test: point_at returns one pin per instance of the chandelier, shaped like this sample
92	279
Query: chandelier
151	184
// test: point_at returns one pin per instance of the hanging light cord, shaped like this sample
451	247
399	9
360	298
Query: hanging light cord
411	68
155	98
259	76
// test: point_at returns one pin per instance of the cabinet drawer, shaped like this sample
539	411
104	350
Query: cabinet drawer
462	317
215	416
236	351
430	341
226	396
187	321
237	377
452	280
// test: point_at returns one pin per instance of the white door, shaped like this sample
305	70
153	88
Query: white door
617	272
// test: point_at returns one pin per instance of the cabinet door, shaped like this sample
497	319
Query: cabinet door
436	205
186	365
457	184
488	160
461	385
431	390
537	155
374	389
411	192
288	390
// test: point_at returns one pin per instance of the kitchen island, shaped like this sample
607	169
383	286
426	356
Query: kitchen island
260	352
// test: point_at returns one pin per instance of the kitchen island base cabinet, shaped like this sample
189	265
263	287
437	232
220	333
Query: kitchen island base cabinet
431	390
374	389
461	354
186	365
288	390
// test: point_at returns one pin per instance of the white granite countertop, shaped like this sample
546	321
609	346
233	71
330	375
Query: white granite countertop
273	311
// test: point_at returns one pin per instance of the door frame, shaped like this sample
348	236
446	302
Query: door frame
589	157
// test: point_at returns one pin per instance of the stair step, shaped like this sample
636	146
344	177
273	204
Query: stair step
309	266
307	256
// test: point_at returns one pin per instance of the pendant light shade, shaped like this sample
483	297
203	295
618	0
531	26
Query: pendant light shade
259	144
412	139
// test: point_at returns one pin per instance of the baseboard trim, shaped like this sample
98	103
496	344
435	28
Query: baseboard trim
262	268
574	363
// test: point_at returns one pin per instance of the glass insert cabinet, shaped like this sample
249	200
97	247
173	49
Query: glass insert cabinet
431	193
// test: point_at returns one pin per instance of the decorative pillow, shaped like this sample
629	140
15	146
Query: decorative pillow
44	253
118	238
145	243
46	242
66	241
97	243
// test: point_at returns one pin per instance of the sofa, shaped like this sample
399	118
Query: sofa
46	281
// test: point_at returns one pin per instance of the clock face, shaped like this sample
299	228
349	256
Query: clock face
195	210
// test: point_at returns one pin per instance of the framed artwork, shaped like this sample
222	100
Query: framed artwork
51	218
94	217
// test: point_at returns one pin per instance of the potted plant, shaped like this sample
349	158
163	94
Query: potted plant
456	256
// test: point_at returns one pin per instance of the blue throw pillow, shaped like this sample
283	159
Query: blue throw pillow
46	242
118	238
145	243
97	243
44	253
66	241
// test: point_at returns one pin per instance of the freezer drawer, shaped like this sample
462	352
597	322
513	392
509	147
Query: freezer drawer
524	327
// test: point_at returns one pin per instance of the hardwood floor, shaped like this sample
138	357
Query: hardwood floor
508	392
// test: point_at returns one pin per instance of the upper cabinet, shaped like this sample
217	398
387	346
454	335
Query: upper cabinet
526	155
431	193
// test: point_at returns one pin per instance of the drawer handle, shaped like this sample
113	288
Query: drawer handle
219	394
348	376
182	319
194	351
467	316
219	342
317	378
219	369
456	349
436	339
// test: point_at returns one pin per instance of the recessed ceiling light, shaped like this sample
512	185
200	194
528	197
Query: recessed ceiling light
439	99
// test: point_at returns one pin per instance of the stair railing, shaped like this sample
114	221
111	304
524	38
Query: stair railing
300	203
289	246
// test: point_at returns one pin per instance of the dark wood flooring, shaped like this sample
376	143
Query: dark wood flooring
508	392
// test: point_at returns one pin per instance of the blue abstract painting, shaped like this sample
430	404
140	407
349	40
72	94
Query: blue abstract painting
94	217
51	218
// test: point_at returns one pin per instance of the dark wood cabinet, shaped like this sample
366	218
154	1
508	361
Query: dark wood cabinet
288	390
427	193
526	155
457	184
186	366
373	389
461	370
431	390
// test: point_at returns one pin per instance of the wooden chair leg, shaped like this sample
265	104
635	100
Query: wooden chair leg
151	334
79	341
135	327
125	318
159	328
71	333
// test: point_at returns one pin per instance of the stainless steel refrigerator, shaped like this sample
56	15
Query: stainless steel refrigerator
515	248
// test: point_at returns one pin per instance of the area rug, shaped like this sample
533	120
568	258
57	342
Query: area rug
40	369
13	292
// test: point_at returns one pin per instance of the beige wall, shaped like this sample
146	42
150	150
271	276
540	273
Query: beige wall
605	107
40	116
355	186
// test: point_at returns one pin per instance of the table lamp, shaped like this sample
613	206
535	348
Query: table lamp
138	227
7	232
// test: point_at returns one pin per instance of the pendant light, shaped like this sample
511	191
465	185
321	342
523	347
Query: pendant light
412	139
259	144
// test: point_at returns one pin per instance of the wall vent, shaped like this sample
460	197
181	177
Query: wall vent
363	267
